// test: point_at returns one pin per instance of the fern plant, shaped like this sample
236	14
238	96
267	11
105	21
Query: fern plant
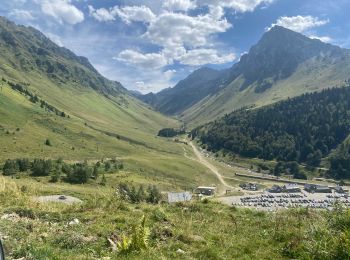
124	244
138	239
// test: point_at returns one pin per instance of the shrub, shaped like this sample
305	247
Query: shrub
108	166
23	164
159	215
154	195
103	180
134	195
95	172
10	168
41	167
55	177
81	174
48	142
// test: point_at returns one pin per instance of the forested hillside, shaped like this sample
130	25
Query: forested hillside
340	161
303	129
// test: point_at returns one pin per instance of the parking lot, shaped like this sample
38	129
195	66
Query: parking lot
272	201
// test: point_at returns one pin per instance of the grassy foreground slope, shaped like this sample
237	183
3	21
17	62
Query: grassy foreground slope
201	230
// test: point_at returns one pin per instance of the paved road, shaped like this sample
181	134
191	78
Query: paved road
211	167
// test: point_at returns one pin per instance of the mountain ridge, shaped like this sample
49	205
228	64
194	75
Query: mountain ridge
28	49
282	64
175	100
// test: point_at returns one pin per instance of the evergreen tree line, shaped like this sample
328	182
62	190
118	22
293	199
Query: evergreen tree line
134	195
78	173
303	129
34	98
170	132
340	162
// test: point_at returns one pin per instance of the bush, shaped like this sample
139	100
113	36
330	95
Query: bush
48	142
23	164
95	173
66	168
154	195
41	167
55	177
134	195
10	168
81	174
103	180
108	166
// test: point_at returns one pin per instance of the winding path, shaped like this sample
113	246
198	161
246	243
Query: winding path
211	167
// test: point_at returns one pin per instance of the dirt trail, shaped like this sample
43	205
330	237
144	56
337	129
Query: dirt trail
211	167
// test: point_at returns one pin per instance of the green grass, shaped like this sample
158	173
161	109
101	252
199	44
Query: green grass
82	136
203	230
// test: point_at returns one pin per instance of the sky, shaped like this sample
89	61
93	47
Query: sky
149	45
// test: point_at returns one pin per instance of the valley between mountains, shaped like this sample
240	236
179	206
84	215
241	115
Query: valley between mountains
91	170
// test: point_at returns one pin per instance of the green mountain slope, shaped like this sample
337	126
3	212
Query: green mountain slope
70	83
27	50
282	64
41	82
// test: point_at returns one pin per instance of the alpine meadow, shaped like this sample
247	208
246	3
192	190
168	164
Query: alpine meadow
175	129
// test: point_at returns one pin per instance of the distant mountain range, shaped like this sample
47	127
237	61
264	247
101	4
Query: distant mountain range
282	64
185	94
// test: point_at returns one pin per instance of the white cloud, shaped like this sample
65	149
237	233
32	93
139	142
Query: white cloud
101	15
22	15
325	39
141	86
160	80
181	36
169	74
216	11
194	57
127	13
134	14
237	5
146	61
176	29
299	23
199	57
61	11
179	5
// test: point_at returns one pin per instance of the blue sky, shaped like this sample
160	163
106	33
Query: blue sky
149	45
